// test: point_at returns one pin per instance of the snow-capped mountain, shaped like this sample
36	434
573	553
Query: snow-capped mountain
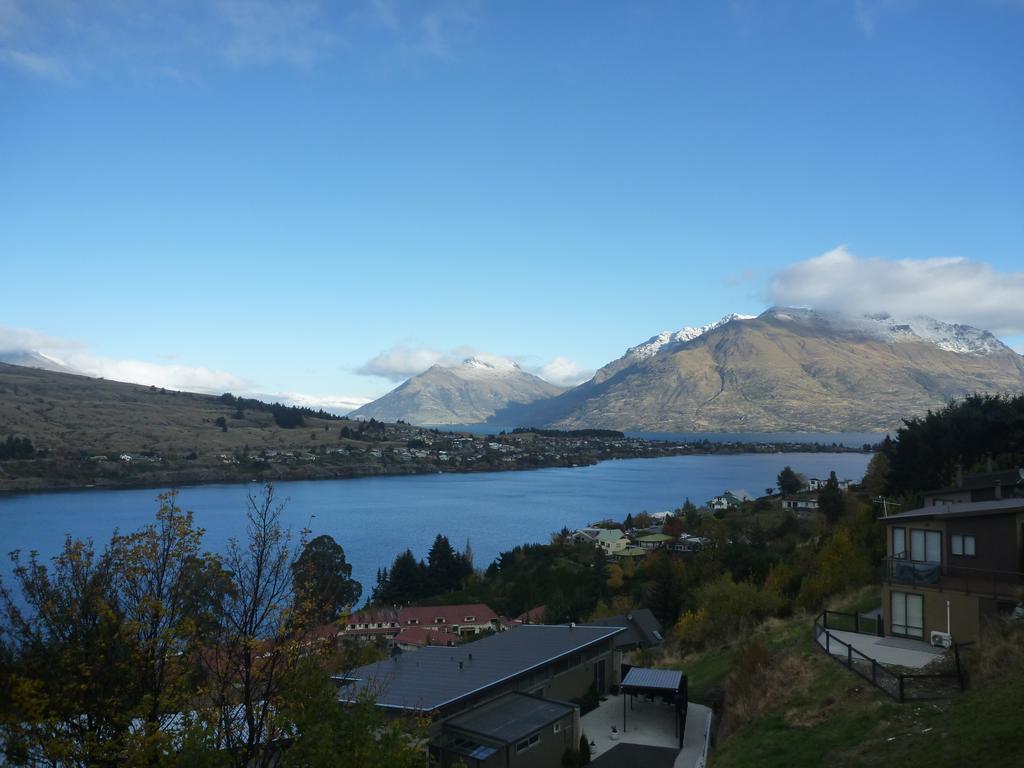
656	343
463	394
34	359
952	337
787	369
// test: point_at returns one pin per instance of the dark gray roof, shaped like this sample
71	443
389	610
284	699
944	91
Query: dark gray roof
431	677
964	509
511	718
633	755
653	679
642	629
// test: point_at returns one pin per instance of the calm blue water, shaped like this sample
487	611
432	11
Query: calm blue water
376	518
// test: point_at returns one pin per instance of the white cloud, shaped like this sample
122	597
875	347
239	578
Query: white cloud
28	340
564	372
340	404
169	376
77	357
951	289
404	360
400	362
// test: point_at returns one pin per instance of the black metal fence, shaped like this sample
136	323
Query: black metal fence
901	686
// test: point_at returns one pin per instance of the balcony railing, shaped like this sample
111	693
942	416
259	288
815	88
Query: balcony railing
953	578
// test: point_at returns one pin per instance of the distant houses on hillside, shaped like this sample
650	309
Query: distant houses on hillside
420	626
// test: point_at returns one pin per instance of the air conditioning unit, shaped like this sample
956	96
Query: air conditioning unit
943	639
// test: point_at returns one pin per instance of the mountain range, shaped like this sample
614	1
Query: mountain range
783	370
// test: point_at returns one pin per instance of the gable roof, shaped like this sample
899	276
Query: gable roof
452	614
964	509
642	629
434	677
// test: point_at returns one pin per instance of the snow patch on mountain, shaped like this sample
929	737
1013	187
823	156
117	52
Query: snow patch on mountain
951	337
655	344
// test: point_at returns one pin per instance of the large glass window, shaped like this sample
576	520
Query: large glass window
907	614
925	546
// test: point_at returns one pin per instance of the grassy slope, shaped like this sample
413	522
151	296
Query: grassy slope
813	712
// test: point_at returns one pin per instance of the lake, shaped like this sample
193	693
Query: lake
376	518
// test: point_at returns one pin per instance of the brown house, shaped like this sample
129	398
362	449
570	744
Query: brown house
949	566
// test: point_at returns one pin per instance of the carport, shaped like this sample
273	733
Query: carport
667	684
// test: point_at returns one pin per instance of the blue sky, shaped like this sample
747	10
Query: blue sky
267	196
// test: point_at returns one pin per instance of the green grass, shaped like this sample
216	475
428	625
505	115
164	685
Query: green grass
813	712
707	672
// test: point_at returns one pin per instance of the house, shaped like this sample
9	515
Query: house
413	638
802	507
611	540
377	624
649	541
505	700
533	616
629	553
661	517
727	500
951	566
461	620
687	543
817	484
373	624
990	486
642	630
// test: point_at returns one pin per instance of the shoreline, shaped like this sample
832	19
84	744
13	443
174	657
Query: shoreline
200	476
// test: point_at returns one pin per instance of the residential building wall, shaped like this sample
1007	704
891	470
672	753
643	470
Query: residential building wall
965	611
966	583
547	751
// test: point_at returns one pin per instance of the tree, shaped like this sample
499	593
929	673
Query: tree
691	514
830	499
349	736
222	423
877	475
252	653
446	568
69	678
404	583
324	587
167	596
788	481
627	524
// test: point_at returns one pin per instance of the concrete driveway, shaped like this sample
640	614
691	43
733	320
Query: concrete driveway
650	723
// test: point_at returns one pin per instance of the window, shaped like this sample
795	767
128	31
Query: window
414	621
925	546
525	744
558	727
439	620
469	619
907	614
962	545
899	542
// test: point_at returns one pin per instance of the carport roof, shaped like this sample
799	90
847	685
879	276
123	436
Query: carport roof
641	679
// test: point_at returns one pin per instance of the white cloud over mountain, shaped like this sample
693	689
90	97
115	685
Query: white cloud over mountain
956	290
20	345
403	361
